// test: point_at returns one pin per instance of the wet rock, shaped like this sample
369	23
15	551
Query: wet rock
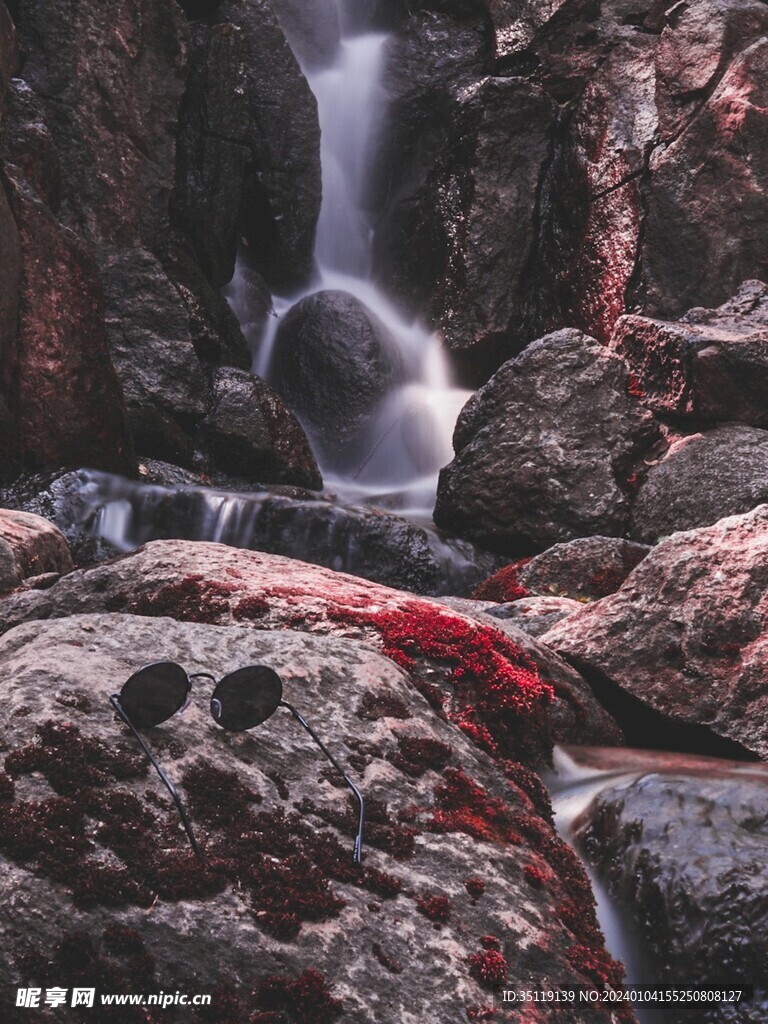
312	30
279	894
65	398
583	569
110	91
697	243
703	478
26	142
62	500
249	149
333	362
575	715
712	364
535	615
544	452
683	857
283	520
30	546
685	636
252	434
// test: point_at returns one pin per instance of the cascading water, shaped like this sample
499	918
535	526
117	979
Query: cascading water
408	437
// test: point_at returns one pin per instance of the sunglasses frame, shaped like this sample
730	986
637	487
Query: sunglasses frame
115	701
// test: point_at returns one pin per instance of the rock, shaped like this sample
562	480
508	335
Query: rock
583	569
312	30
368	542
204	582
66	399
535	615
62	499
269	919
685	636
575	715
544	452
467	146
334	361
27	143
9	56
252	434
110	92
682	855
249	150
712	364
150	340
30	546
697	244
702	479
10	258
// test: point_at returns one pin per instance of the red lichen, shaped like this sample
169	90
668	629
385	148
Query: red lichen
536	876
489	968
435	908
504	585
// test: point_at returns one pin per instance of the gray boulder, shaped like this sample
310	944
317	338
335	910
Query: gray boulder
545	451
279	911
334	362
30	546
583	569
723	472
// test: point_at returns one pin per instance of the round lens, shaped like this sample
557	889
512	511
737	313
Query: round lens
246	698
155	693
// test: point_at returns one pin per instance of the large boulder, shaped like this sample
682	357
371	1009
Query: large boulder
65	396
110	90
583	569
697	241
481	678
535	615
545	452
253	435
685	635
334	362
682	855
595	211
30	546
702	478
461	867
712	364
249	149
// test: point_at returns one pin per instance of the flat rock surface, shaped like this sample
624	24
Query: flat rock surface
279	896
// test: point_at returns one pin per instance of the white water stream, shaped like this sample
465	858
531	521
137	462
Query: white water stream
410	436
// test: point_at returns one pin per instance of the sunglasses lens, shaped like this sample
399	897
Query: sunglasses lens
155	693
246	698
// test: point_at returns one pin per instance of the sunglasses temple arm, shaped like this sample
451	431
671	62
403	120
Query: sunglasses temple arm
357	855
115	702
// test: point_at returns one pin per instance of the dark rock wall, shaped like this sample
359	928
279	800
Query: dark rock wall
589	180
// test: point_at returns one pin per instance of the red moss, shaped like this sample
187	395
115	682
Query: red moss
416	755
498	696
475	887
504	585
480	1013
435	908
536	876
596	965
7	787
303	1000
217	797
489	968
527	781
490	942
464	806
70	762
374	706
193	599
249	608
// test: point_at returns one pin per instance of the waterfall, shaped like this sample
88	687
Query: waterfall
409	436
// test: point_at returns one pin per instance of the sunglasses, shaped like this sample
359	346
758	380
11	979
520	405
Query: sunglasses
240	701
